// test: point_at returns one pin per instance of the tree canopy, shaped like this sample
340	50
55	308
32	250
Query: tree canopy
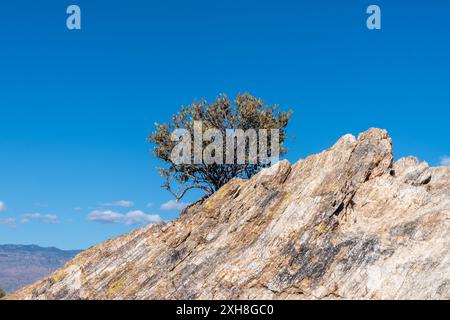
263	126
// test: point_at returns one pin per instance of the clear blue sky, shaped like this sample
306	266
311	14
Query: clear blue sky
76	106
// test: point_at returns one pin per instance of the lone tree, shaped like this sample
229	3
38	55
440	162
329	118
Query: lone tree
2	293
245	114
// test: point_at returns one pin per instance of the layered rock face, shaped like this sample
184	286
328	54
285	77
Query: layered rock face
345	223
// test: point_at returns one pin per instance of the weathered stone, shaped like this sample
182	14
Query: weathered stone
345	223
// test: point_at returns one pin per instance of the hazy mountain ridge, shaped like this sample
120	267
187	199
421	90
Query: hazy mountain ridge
345	223
22	265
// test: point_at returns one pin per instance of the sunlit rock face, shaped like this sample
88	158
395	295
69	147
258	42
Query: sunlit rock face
345	223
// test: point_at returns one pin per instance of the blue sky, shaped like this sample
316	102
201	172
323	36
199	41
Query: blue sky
76	106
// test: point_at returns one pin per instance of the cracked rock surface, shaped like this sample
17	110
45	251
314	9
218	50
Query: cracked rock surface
345	223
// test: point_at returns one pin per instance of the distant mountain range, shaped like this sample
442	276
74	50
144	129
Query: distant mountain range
21	265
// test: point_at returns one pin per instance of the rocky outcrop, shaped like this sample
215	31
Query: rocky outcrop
345	223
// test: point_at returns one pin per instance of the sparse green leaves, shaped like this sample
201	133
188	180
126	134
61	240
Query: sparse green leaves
245	112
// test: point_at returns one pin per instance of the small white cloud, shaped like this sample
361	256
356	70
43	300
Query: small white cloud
77	209
173	205
445	161
150	205
132	217
2	206
45	218
10	222
106	216
139	217
121	203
